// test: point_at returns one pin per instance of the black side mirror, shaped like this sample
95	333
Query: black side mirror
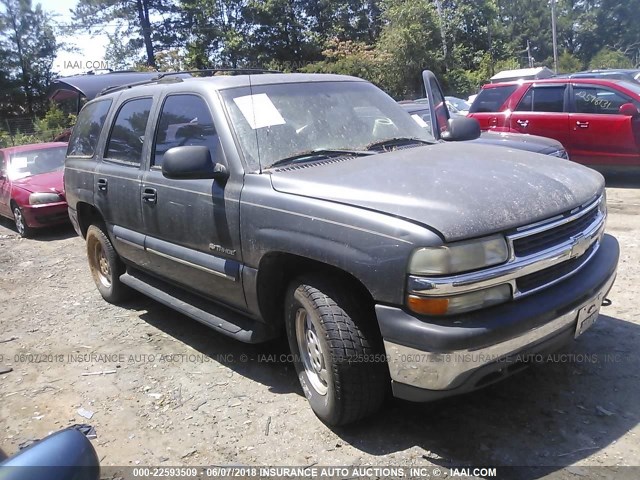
191	163
437	104
461	129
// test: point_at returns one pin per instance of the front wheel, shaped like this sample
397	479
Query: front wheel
21	223
336	351
106	266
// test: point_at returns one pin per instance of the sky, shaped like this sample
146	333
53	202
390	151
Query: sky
91	48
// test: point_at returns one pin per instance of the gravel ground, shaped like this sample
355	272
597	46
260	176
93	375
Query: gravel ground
172	392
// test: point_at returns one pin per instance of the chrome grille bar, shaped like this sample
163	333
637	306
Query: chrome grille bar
587	242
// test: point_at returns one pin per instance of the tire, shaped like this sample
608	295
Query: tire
106	266
336	351
24	230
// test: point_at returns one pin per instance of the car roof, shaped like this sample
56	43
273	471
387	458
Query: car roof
221	82
608	70
31	147
551	81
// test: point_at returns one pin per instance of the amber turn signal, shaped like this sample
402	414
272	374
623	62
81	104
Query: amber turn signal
428	306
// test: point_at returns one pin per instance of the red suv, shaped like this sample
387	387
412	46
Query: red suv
597	120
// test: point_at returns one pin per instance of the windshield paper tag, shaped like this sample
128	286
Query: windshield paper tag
419	120
19	162
259	111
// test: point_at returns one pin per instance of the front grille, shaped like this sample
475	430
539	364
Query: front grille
552	274
553	237
54	218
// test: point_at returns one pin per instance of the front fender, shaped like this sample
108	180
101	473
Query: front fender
370	246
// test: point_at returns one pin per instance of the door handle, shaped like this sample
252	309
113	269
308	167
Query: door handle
150	195
102	184
582	124
523	123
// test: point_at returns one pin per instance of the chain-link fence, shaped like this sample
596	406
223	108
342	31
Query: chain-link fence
22	130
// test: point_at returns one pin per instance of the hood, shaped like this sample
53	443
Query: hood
44	182
461	190
520	141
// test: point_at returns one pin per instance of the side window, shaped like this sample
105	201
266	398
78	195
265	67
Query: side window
543	99
597	100
127	133
526	103
184	120
86	131
491	99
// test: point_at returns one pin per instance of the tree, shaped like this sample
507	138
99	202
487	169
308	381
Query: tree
410	38
279	33
214	33
53	123
343	20
568	63
606	58
122	52
27	50
352	58
134	20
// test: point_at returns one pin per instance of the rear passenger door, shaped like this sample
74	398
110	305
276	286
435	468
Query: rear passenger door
541	111
118	177
600	135
186	221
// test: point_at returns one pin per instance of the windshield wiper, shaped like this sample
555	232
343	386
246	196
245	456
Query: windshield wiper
310	155
396	141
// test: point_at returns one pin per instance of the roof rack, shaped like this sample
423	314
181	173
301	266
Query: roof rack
213	71
169	77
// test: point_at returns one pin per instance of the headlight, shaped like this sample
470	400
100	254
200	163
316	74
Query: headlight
603	203
562	153
459	257
456	304
42	197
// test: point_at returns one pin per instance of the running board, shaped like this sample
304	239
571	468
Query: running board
219	318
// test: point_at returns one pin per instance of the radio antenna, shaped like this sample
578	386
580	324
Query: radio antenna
253	111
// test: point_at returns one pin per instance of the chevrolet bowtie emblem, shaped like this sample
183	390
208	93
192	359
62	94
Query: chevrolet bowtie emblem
581	245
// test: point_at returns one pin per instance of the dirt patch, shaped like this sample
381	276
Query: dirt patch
164	390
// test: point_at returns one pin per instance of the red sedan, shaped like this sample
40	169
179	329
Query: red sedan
31	185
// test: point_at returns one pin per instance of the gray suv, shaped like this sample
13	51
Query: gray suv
314	206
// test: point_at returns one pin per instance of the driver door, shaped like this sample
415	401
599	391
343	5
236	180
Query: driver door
600	135
187	227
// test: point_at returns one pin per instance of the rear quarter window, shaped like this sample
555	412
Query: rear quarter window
87	129
491	99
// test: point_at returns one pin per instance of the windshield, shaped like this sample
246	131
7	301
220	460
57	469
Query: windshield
274	122
36	162
458	103
491	99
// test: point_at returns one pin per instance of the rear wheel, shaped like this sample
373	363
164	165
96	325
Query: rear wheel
336	351
21	223
106	266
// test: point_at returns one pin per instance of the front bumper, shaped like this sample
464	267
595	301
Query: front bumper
435	358
37	216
